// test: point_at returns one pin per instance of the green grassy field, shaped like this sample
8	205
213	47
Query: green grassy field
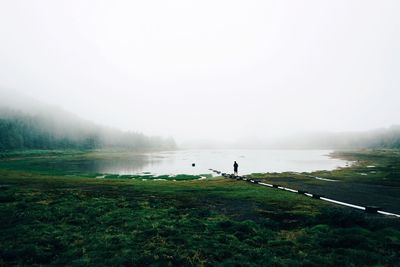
55	220
381	167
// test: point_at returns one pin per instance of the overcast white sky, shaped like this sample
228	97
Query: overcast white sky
208	69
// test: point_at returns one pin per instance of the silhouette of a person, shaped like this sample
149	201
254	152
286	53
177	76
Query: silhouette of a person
235	168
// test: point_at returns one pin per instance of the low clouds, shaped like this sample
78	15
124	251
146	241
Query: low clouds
208	70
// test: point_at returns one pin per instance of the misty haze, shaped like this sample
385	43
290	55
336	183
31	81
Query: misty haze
210	133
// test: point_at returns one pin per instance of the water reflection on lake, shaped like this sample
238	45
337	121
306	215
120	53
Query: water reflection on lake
250	161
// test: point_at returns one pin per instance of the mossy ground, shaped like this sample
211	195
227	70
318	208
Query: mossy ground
47	219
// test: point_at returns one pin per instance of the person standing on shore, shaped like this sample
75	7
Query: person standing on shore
235	168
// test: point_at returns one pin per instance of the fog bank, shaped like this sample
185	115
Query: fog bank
220	70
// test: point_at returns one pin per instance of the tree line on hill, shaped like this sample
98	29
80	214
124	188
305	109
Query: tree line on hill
61	130
57	129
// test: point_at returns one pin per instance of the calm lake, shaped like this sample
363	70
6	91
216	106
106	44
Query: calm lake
250	161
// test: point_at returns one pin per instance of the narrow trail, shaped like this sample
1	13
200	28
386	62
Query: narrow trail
368	209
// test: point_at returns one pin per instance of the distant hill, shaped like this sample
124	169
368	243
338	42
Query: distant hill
379	138
52	128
